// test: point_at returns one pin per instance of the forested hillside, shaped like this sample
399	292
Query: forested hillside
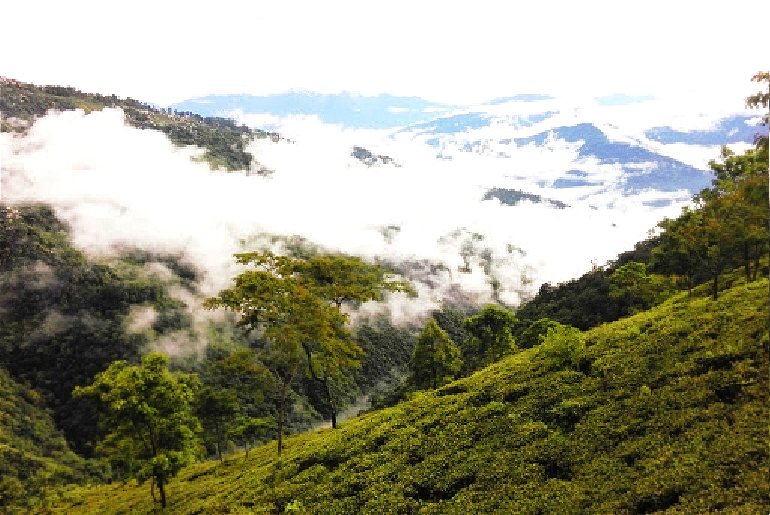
662	412
638	388
223	140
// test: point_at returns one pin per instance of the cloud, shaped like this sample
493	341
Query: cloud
120	186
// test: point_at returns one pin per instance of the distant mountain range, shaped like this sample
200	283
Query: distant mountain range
607	157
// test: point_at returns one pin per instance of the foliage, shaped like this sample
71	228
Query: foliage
631	285
224	141
64	315
291	316
563	347
247	430
148	415
216	408
534	334
491	336
436	359
668	414
33	453
761	99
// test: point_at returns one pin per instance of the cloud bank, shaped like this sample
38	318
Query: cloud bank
119	186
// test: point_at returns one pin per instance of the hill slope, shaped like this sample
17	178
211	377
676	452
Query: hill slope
662	412
225	141
33	454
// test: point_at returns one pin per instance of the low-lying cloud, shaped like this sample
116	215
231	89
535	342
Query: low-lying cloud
119	186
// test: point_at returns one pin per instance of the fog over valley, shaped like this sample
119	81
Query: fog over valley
421	212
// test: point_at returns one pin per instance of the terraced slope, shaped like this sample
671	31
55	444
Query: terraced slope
663	412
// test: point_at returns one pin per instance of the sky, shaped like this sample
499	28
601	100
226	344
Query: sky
165	52
116	185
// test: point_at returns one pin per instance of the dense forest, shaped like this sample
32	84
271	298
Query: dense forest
640	387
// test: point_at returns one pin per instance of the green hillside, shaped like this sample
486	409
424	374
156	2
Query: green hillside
33	454
662	412
224	141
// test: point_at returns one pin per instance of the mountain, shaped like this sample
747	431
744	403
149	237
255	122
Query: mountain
223	140
645	169
652	414
350	110
608	157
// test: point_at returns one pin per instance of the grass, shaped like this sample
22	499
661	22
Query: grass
666	412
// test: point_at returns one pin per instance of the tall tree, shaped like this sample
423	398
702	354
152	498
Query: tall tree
436	358
147	413
335	280
289	315
761	99
341	279
216	408
491	334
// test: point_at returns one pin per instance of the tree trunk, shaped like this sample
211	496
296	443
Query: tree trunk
325	382
747	261
715	288
162	489
219	439
281	414
756	267
332	407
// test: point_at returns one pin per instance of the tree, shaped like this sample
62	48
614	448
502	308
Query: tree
534	334
148	417
631	285
563	347
216	408
491	334
333	280
249	429
761	99
436	358
287	313
341	279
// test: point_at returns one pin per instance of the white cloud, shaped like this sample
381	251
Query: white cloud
120	185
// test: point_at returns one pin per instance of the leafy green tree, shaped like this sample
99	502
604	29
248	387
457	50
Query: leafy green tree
216	408
563	347
491	336
533	335
436	358
334	280
147	413
341	279
637	289
288	314
761	99
249	429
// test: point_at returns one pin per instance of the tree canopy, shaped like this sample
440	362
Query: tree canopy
147	413
436	358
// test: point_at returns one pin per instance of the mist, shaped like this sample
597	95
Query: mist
121	187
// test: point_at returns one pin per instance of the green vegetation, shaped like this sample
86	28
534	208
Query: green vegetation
665	412
436	359
296	305
148	416
64	315
33	453
565	407
491	336
224	141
